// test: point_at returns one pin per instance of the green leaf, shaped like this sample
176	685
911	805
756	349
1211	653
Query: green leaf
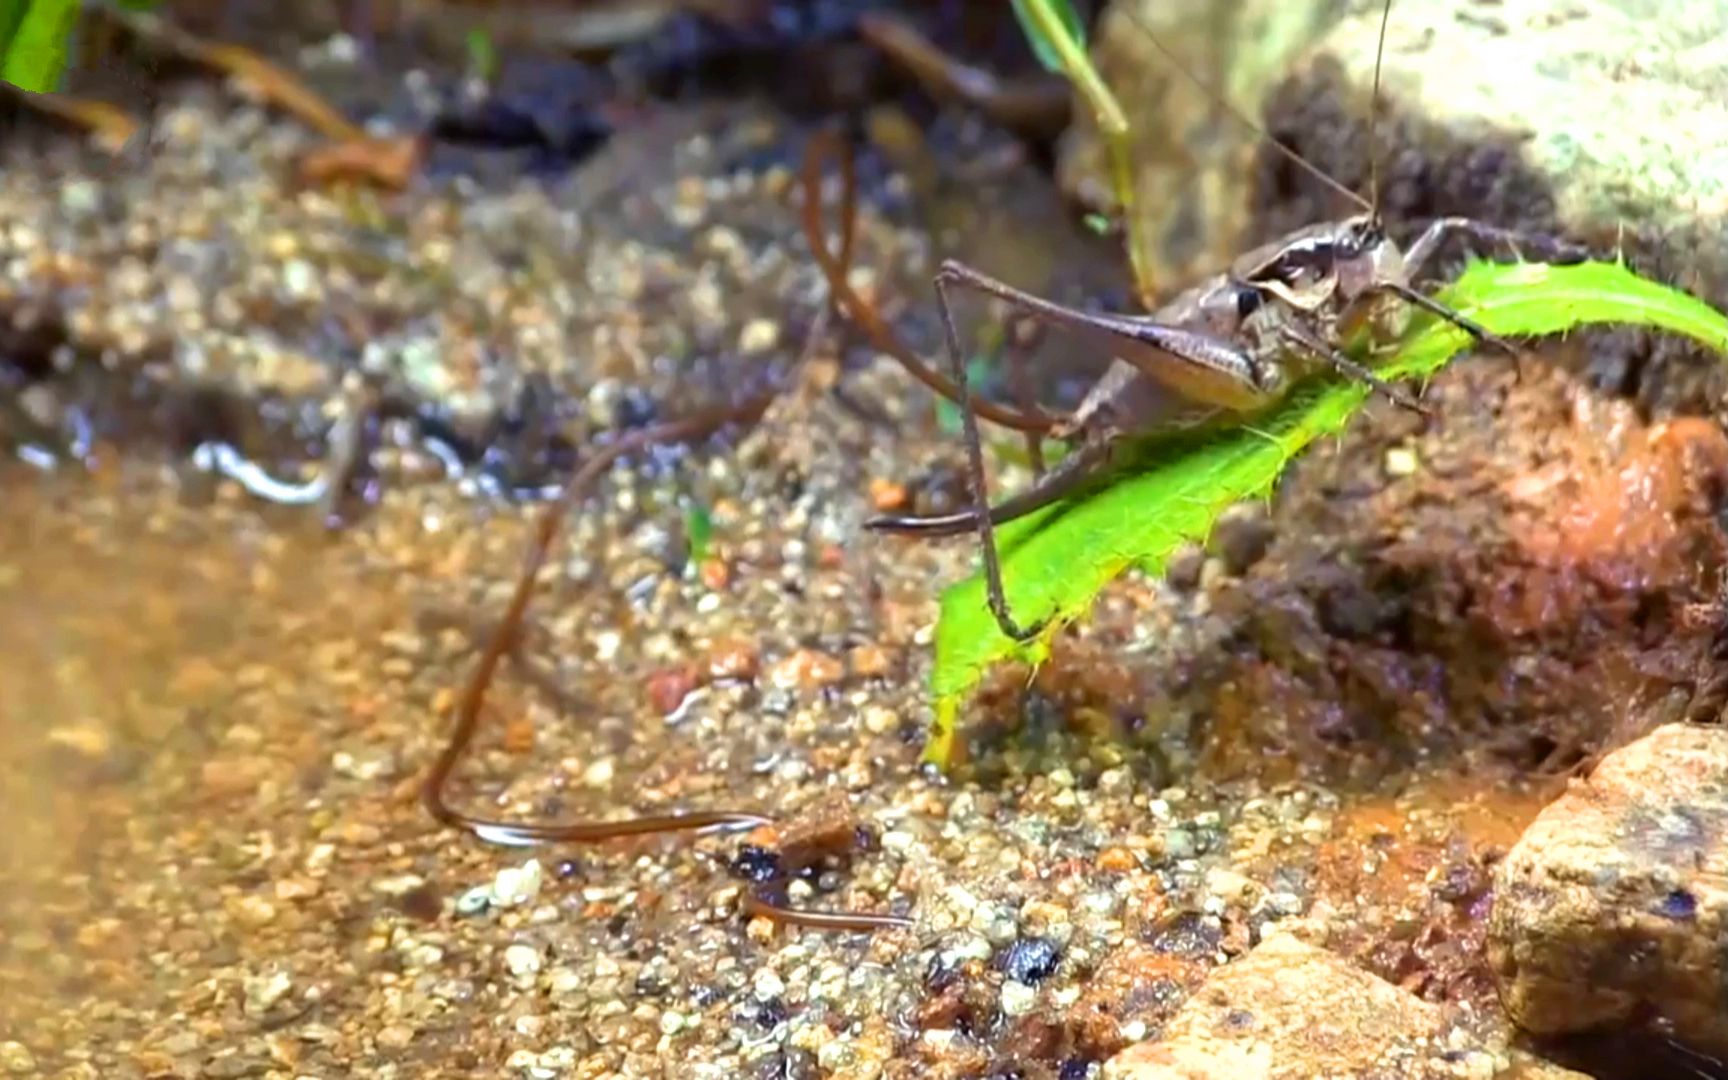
1046	50
482	55
1056	561
699	532
34	46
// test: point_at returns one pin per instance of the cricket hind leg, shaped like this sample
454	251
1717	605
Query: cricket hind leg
995	595
1068	475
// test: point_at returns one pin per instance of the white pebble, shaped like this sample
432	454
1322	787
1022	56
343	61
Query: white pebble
565	981
1018	998
767	985
16	1058
266	990
515	886
399	885
522	960
898	842
758	336
300	279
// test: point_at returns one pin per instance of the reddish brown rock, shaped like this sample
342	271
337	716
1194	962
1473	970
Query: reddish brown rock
1614	903
1289	1010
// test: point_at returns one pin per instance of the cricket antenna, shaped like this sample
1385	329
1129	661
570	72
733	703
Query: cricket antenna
1308	166
1374	117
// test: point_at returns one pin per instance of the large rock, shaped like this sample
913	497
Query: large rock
1290	1010
1542	114
1613	906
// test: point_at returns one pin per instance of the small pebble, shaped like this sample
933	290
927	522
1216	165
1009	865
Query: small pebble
252	911
515	886
17	1058
1180	844
399	885
767	985
1031	960
806	669
1401	461
395	1037
1018	999
732	659
264	991
758	336
522	960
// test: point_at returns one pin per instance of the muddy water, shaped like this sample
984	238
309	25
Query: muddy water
160	665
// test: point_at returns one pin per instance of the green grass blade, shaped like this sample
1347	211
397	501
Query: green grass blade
33	54
1047	51
1056	562
11	14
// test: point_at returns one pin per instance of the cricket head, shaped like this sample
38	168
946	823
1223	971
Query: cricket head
1364	257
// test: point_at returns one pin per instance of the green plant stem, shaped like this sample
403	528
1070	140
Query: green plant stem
1113	128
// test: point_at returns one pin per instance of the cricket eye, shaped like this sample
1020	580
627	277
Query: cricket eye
1366	238
1247	302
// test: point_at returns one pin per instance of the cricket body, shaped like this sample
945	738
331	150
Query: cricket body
1222	351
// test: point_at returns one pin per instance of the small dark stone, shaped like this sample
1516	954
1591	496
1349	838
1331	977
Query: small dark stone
422	903
757	864
771	1014
790	1065
1238	1019
1187	933
1030	960
940	976
1679	904
1074	1069
1352	611
705	995
1183	569
1242	536
1460	882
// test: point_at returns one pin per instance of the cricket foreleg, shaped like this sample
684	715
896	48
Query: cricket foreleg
1456	318
1301	339
1440	230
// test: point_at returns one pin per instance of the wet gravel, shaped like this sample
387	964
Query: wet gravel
222	713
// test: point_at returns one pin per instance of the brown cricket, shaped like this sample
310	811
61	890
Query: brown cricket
1220	352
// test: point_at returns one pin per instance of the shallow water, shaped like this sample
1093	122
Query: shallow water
152	658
